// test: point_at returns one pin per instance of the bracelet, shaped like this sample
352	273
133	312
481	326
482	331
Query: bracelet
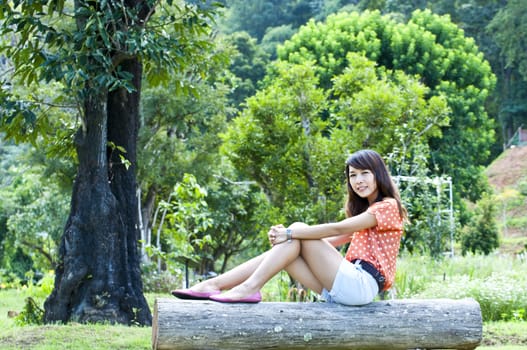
289	235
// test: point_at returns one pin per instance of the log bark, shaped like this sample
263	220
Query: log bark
394	324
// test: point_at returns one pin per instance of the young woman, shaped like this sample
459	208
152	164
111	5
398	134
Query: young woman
373	227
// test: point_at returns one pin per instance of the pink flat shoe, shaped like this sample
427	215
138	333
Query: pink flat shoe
255	298
190	294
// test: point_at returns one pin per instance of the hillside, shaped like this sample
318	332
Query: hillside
508	176
509	168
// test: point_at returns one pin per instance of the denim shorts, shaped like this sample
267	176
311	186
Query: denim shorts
352	286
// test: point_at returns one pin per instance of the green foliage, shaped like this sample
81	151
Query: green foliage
32	314
188	219
204	228
274	37
9	279
32	215
481	233
291	135
500	296
505	26
386	110
179	132
280	142
248	65
81	51
155	281
241	217
522	186
57	49
497	283
257	16
180	136
430	47
431	226
39	220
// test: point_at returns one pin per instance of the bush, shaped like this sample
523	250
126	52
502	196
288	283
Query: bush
159	282
497	283
499	296
9	280
32	314
481	234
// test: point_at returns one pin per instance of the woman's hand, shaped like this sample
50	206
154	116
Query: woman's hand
277	234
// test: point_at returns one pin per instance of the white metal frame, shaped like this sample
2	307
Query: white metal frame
438	182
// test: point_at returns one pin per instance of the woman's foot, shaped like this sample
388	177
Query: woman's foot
194	295
201	291
254	298
239	295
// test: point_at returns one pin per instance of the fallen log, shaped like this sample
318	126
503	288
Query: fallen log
393	324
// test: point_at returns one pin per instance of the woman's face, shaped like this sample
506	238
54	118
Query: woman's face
363	183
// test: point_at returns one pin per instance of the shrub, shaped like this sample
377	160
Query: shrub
160	282
9	280
497	283
32	314
481	234
501	296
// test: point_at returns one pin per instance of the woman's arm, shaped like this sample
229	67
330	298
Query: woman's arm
337	241
341	228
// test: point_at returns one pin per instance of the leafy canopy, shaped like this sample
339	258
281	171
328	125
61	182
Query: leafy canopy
83	44
430	47
294	136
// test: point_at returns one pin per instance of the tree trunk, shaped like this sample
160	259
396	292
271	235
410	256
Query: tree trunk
123	128
98	276
394	324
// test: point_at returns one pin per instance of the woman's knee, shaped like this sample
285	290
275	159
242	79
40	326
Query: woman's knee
293	247
297	225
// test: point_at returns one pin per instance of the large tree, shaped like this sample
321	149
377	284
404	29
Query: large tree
98	51
494	25
428	46
293	137
507	28
257	16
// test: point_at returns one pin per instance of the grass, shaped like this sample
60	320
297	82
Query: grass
497	282
95	337
505	335
71	336
416	276
497	335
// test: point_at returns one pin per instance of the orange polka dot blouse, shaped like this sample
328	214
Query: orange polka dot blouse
379	245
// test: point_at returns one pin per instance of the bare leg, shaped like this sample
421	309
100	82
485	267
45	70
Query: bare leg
232	277
300	271
317	265
322	260
243	272
312	262
276	259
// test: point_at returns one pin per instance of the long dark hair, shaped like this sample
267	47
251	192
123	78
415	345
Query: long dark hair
371	160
